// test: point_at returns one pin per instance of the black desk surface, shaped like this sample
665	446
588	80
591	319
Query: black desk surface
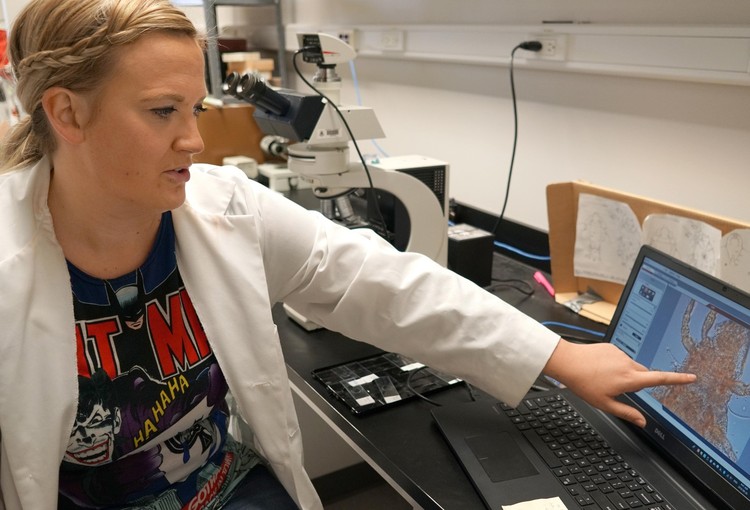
402	440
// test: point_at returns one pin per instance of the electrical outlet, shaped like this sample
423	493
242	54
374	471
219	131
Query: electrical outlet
549	48
392	40
347	35
553	47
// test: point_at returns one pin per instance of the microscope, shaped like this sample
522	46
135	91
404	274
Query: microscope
406	198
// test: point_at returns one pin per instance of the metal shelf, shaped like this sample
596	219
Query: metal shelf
212	29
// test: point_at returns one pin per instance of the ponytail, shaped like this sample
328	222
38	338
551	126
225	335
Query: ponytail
20	146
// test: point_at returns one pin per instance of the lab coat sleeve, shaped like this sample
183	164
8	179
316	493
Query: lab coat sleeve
354	282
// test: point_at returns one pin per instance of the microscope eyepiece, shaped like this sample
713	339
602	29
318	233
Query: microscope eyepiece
229	86
251	88
279	112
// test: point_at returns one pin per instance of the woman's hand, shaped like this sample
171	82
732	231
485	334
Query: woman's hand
600	372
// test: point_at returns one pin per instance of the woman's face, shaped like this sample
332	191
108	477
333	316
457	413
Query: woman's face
139	141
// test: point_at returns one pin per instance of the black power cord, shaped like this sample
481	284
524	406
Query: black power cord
528	46
381	228
418	394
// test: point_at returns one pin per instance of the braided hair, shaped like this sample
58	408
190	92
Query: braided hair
73	44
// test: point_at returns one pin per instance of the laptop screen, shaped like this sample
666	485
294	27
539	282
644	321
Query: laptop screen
673	317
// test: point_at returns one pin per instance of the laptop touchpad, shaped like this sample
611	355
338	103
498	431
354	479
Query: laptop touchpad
500	456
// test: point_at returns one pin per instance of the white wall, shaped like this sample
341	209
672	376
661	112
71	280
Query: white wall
13	7
518	12
680	141
686	143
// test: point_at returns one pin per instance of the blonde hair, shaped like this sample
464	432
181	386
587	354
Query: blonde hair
72	44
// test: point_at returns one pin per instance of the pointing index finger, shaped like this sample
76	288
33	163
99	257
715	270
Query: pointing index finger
659	378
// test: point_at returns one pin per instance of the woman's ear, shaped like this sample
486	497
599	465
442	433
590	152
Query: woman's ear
66	113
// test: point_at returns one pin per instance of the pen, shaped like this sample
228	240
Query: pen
538	276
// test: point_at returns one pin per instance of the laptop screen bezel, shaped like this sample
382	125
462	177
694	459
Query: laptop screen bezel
661	436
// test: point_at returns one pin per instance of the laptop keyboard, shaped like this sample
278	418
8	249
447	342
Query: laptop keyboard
584	463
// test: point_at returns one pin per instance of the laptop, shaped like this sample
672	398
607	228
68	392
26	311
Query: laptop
556	451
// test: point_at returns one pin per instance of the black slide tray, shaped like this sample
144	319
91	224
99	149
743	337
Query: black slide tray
376	382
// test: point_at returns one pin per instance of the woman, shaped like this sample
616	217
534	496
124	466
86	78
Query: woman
137	289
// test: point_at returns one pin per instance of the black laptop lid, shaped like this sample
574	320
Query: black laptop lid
674	317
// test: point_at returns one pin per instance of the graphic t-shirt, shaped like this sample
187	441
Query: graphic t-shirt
151	427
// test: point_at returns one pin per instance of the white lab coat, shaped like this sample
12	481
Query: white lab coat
240	249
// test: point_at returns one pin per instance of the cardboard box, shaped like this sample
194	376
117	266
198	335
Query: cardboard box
248	62
229	131
562	208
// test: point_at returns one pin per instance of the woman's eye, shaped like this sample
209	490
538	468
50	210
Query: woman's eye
199	109
164	112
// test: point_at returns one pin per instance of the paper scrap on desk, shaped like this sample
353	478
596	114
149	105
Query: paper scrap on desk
608	236
735	258
600	311
577	301
538	504
692	241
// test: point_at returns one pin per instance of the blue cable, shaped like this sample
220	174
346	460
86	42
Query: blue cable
355	82
516	250
521	252
575	328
